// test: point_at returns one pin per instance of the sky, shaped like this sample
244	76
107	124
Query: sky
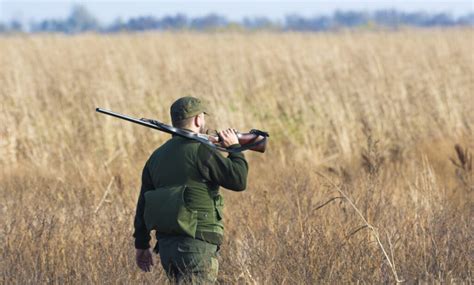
108	10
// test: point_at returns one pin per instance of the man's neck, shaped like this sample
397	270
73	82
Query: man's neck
193	130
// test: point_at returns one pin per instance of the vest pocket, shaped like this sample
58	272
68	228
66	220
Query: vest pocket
166	211
219	204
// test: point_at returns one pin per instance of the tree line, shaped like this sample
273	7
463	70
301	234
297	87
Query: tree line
81	20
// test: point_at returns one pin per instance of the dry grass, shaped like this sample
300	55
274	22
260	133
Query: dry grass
372	116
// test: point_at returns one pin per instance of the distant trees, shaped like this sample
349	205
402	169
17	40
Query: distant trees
298	23
15	26
258	23
81	20
466	20
177	22
381	18
208	22
350	18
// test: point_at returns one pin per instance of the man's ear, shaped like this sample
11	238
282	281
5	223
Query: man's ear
196	121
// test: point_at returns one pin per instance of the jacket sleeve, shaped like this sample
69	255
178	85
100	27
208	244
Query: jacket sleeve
229	172
141	234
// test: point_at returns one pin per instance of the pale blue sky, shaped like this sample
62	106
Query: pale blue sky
108	10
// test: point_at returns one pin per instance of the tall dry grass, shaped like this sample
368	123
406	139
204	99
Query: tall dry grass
360	183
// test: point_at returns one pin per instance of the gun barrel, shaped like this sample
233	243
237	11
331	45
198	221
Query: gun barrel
133	120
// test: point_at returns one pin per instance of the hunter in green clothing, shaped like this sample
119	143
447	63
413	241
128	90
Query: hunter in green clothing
179	198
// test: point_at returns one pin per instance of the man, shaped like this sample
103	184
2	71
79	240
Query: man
189	230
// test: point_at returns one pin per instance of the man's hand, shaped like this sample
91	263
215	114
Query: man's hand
229	137
144	259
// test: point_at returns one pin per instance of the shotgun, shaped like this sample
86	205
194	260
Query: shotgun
255	140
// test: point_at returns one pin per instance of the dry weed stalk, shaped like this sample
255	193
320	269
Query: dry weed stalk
391	262
106	193
464	167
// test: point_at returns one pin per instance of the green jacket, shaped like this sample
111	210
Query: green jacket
182	161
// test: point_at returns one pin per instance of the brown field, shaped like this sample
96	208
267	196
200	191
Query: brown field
368	118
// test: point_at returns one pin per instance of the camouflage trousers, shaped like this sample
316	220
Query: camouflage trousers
187	260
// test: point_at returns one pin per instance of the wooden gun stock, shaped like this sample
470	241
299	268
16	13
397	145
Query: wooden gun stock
254	137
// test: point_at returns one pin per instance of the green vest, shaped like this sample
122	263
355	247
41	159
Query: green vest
183	201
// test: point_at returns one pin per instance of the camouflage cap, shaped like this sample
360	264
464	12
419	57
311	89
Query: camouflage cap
187	107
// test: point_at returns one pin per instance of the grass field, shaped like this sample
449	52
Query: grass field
361	181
